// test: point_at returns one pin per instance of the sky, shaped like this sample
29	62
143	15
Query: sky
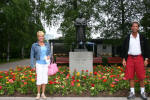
52	30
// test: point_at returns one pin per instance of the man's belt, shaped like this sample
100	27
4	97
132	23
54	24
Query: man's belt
134	55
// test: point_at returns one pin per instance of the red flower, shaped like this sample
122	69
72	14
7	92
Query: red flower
105	80
84	77
77	80
136	80
112	76
30	75
72	83
54	79
87	71
92	85
112	85
14	78
25	83
19	69
121	70
118	75
95	73
1	76
0	87
67	77
51	82
73	77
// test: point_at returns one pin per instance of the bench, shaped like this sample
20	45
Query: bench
115	60
97	60
65	60
62	60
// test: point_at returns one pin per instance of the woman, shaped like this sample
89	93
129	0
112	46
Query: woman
40	51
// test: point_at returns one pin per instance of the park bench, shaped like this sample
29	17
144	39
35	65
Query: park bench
97	60
114	60
65	60
62	60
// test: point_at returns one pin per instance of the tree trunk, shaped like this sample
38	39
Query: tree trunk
123	19
8	51
22	52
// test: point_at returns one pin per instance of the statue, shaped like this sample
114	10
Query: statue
80	25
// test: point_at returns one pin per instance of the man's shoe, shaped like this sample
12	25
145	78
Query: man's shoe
131	96
143	96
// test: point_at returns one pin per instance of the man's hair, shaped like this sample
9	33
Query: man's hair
135	23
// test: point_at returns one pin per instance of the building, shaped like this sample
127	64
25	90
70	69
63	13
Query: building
101	47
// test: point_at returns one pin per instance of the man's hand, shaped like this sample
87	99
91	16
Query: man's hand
124	62
145	63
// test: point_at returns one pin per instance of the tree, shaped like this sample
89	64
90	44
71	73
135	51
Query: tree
67	11
19	25
120	13
145	21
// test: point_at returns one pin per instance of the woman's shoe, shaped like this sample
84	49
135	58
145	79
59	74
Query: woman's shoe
43	96
38	96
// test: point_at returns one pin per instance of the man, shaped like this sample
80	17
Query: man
135	58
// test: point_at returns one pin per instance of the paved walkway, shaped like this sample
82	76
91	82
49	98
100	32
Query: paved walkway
69	98
6	66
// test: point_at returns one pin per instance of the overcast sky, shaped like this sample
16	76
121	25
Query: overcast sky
53	31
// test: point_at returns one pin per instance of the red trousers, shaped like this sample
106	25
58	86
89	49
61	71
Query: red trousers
135	66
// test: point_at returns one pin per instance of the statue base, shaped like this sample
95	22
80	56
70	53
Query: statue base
79	61
80	50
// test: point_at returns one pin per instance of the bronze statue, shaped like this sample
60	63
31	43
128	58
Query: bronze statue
80	25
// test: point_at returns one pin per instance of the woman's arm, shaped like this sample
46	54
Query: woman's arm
32	56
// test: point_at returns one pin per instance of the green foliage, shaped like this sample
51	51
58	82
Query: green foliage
18	26
145	21
105	60
21	19
120	14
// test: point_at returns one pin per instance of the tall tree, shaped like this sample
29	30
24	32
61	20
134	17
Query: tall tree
120	13
18	25
145	21
67	11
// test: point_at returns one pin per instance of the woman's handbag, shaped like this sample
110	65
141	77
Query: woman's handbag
52	68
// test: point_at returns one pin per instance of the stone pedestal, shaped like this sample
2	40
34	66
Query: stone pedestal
80	61
80	50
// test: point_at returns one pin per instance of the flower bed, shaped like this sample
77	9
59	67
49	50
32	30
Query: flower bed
105	81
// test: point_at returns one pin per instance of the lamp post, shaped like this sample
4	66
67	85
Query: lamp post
47	38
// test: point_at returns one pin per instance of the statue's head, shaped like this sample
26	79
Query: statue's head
80	14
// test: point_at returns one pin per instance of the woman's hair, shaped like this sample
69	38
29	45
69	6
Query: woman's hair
40	33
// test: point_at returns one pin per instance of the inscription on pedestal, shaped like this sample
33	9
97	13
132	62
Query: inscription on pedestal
80	61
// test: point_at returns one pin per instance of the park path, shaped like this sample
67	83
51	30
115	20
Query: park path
69	98
13	65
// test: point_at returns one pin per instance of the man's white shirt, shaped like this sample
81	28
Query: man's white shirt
134	45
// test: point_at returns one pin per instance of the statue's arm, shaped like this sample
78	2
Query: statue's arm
84	22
